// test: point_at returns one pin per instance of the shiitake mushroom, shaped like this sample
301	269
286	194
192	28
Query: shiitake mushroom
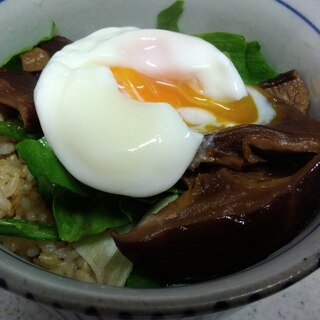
251	188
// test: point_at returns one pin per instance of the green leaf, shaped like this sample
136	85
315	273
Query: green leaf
133	208
258	69
16	131
78	217
14	62
246	57
28	229
163	203
46	188
140	279
43	164
136	208
50	35
234	46
168	18
176	189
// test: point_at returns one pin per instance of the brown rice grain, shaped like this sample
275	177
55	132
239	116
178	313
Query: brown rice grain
19	199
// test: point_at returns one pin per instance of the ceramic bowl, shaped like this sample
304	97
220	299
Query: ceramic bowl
289	34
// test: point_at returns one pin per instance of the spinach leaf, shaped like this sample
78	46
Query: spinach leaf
14	62
133	208
16	131
246	56
78	217
28	229
163	202
46	188
168	18
258	69
136	208
44	164
234	46
140	279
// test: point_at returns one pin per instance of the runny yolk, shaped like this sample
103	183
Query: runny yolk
179	93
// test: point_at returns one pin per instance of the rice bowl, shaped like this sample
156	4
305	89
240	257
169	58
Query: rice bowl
20	199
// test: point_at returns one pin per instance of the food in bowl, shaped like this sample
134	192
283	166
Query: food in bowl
212	209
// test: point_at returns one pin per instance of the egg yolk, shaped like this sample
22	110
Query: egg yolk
181	93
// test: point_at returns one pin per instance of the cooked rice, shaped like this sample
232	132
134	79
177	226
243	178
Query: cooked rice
19	199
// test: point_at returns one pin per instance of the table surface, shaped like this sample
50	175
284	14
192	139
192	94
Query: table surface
298	302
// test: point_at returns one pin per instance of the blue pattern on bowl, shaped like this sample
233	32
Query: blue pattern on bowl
217	306
300	15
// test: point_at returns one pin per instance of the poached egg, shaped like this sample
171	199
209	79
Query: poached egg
125	109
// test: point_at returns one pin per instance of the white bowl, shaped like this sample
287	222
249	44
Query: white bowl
289	34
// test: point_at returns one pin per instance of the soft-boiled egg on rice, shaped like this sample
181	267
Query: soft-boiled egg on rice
125	109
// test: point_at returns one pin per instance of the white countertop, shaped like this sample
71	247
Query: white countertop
299	302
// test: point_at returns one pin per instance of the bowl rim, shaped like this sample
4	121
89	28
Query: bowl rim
211	296
62	292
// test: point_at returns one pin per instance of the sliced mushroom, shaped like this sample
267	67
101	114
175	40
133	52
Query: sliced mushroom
16	87
289	88
220	148
226	221
250	190
36	59
295	133
16	91
55	44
